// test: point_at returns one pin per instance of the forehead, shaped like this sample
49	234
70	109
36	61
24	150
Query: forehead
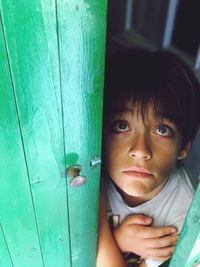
148	113
137	109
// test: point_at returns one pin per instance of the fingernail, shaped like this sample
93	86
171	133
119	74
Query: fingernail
173	231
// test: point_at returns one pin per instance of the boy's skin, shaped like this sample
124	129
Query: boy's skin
108	253
140	156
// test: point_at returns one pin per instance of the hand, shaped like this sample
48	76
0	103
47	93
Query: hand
142	264
136	235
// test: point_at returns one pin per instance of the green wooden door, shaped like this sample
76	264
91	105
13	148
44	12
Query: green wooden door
51	80
187	253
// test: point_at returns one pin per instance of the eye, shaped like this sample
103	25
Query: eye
120	126
164	130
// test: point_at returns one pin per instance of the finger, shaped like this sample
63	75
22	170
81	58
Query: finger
161	242
157	258
153	232
139	219
162	252
160	258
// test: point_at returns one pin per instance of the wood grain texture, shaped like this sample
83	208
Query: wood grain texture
51	86
18	232
5	257
188	247
31	39
83	23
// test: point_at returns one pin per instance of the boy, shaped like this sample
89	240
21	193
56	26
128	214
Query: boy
151	116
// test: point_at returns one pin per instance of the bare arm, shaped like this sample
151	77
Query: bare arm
108	253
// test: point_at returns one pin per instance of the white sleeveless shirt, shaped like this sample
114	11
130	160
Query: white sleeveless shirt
168	208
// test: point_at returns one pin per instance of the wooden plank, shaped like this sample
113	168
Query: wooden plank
194	258
18	234
5	257
31	35
186	251
82	23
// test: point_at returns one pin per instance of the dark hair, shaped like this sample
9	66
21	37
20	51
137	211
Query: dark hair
160	77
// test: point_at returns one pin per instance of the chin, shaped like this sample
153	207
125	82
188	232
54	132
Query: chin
137	191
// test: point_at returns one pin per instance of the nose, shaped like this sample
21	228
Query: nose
140	148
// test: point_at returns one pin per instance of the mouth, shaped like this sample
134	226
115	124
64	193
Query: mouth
138	173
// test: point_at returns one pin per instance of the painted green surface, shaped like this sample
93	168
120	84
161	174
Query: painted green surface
195	253
83	23
51	80
18	229
6	260
188	247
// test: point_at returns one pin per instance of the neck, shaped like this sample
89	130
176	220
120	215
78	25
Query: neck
134	201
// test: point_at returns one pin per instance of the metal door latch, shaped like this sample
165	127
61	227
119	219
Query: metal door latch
95	161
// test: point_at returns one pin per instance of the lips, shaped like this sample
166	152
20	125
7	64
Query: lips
138	172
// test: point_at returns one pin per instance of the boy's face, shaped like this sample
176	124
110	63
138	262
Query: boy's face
141	154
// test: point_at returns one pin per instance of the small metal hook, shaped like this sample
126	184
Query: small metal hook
95	161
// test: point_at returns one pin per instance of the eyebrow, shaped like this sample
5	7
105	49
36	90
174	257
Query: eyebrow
168	121
159	118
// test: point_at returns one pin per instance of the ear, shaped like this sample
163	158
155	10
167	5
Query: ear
184	151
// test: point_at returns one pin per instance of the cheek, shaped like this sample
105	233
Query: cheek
112	153
107	150
109	145
167	159
167	149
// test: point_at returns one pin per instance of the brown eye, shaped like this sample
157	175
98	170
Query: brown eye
121	126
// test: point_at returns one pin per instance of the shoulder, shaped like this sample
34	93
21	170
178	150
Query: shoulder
187	181
181	197
190	176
